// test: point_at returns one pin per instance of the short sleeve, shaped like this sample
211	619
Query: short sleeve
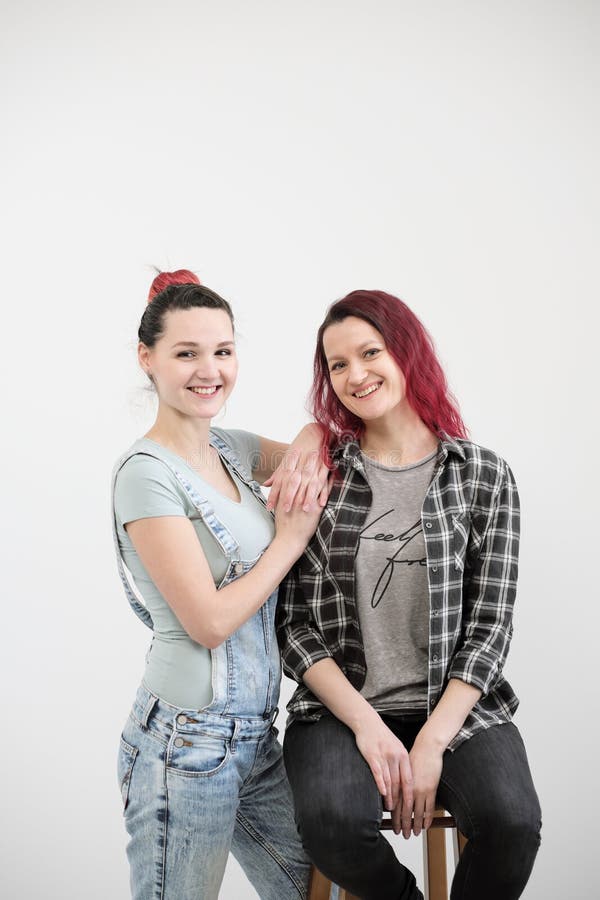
145	488
244	444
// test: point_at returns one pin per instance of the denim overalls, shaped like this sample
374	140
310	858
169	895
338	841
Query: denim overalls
195	783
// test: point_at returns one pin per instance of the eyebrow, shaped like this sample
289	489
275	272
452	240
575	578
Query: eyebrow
359	348
194	344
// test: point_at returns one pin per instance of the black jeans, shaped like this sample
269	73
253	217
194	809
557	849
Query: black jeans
485	784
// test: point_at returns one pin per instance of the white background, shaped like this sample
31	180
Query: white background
289	152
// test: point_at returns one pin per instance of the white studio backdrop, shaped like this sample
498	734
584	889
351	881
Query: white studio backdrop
443	151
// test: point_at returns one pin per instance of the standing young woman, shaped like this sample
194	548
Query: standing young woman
396	623
200	768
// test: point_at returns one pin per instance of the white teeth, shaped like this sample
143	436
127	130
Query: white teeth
369	390
206	390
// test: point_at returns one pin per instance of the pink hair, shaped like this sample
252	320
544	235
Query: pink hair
165	279
412	348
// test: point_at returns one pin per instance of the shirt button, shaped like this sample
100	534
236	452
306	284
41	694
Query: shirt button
182	720
238	568
435	657
432	702
428	525
178	742
434	568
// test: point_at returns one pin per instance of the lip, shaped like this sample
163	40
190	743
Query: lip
217	388
366	387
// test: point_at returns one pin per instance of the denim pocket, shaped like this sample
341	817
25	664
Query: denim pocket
125	761
460	537
197	754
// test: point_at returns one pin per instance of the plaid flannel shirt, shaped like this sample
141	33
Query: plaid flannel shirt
470	519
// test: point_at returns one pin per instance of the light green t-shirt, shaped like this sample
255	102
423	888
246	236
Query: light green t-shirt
178	669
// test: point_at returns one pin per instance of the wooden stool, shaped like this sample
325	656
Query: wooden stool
434	861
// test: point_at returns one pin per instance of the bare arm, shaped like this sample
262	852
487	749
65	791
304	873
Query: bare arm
427	752
386	756
170	551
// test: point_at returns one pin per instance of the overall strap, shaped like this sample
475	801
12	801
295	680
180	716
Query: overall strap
233	462
220	533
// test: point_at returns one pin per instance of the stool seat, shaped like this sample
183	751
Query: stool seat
434	860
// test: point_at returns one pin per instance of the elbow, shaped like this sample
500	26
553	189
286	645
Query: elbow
208	637
209	633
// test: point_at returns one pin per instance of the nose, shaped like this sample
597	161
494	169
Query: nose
207	368
357	372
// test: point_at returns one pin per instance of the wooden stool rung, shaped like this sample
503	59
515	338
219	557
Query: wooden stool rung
434	861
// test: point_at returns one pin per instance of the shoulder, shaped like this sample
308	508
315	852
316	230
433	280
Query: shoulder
139	466
243	444
479	462
141	473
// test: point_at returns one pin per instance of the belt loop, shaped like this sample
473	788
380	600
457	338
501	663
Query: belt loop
152	701
236	729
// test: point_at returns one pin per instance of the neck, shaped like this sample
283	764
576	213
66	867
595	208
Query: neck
183	435
398	439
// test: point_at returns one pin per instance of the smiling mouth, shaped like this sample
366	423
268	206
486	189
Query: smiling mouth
209	391
367	391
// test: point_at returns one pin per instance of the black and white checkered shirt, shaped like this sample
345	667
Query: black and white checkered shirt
470	519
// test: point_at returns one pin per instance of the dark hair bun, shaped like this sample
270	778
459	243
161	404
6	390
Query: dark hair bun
165	279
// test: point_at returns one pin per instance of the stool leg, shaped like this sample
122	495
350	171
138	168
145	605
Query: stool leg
434	864
459	842
320	887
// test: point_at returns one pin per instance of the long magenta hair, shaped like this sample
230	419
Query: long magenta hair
412	348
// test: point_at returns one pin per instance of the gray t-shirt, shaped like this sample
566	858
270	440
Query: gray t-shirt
178	670
391	586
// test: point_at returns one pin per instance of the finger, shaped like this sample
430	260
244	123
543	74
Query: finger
273	493
429	810
308	489
289	490
417	823
377	773
396	813
395	784
387	796
406	817
406	778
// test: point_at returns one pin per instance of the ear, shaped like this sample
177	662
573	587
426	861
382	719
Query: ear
144	354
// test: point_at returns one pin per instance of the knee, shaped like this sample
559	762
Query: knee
337	837
516	831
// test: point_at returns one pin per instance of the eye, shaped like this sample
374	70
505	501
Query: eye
336	366
185	354
371	352
223	352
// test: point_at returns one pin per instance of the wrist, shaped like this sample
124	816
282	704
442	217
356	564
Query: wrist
363	716
289	548
430	739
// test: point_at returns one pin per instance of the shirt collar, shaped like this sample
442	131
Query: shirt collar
349	451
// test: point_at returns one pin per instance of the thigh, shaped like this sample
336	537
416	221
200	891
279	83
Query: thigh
332	784
266	842
180	815
487	783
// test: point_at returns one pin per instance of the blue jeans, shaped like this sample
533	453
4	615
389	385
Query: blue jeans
195	786
198	783
485	784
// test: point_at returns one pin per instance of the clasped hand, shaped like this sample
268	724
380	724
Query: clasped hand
301	479
407	781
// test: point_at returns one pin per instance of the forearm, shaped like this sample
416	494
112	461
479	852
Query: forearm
327	682
238	601
450	713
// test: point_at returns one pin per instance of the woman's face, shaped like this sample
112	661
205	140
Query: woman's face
363	374
193	364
